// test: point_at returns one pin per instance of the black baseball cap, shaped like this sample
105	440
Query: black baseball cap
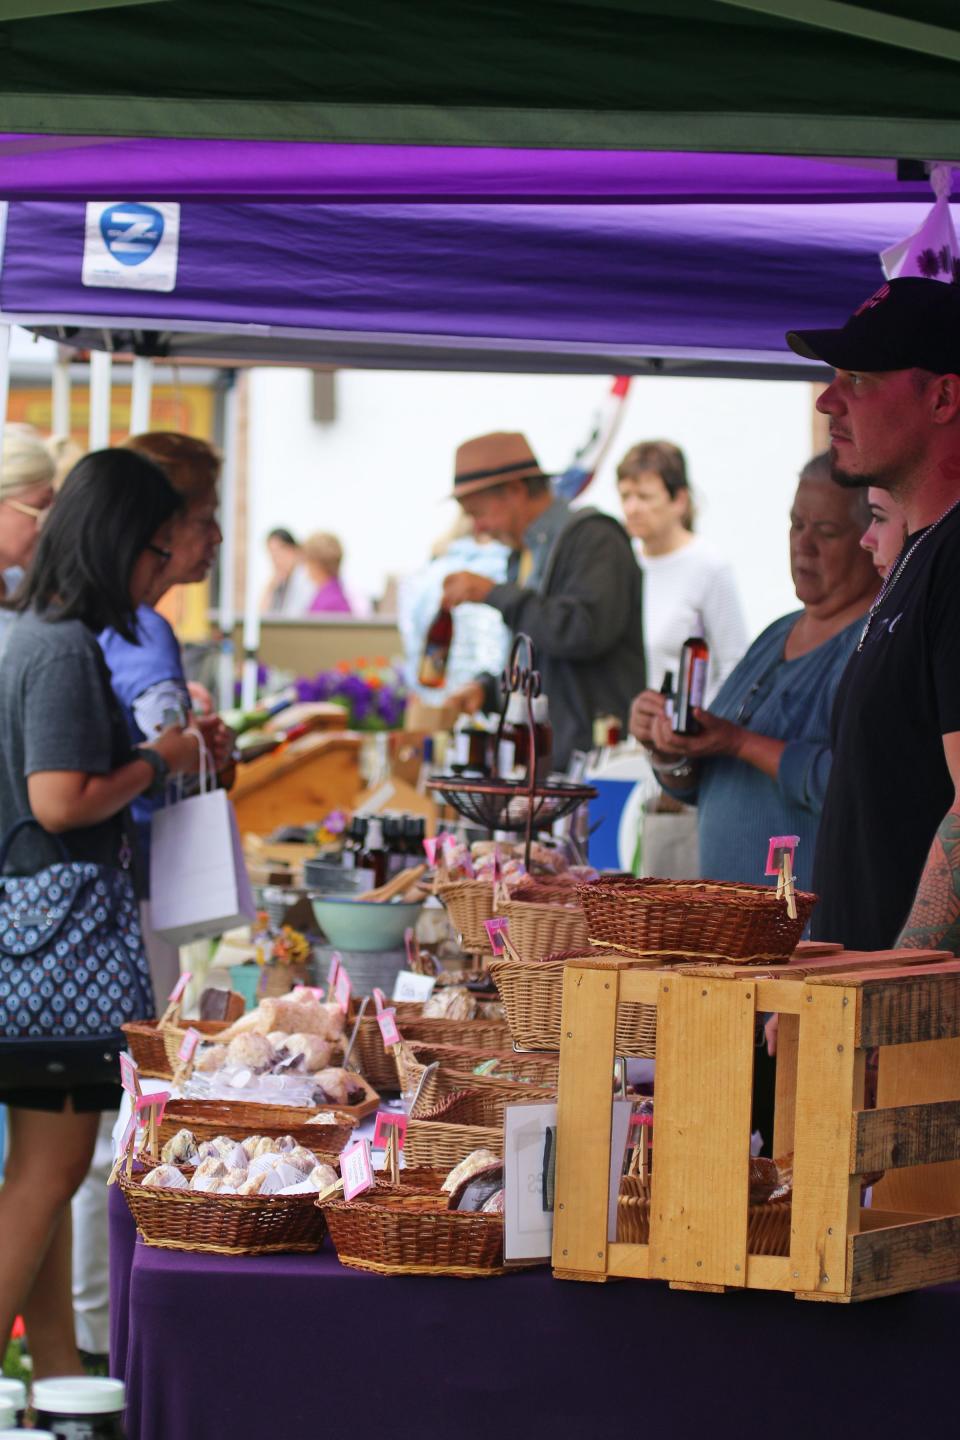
907	324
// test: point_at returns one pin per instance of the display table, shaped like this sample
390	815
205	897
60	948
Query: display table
211	1346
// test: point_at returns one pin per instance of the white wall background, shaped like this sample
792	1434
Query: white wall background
377	475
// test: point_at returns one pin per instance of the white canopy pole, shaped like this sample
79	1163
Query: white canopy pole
141	394
60	392
251	606
228	550
101	368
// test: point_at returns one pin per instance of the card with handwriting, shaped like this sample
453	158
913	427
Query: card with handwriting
129	1075
356	1169
387	1020
188	1045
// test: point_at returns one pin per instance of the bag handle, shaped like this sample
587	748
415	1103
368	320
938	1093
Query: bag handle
205	771
7	843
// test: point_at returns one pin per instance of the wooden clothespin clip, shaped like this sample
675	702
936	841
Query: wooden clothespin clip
780	863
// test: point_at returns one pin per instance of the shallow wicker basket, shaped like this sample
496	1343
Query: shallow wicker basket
224	1224
469	903
173	1036
486	1035
238	1119
532	995
438	1145
154	1045
679	921
768	1228
541	1069
537	930
410	1234
474	1099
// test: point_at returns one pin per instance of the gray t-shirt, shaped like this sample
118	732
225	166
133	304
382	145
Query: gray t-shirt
57	712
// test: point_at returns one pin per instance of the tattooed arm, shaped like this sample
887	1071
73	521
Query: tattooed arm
934	920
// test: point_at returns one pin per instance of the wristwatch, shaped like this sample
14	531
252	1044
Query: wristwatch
159	766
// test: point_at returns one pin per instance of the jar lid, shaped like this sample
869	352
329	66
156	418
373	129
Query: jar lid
14	1391
30	1434
78	1395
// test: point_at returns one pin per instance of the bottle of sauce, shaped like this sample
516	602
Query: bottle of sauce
436	651
471	747
543	733
353	842
666	690
513	751
394	845
80	1407
373	856
692	684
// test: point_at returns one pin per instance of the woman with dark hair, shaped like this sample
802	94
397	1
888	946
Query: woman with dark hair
289	591
687	588
66	763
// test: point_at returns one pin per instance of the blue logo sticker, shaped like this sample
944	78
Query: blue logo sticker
131	232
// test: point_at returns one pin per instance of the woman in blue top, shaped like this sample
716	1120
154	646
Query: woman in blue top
759	766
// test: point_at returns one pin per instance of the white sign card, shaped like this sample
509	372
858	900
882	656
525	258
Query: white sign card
413	987
528	1223
131	244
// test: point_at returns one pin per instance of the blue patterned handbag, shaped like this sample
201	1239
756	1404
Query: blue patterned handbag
72	961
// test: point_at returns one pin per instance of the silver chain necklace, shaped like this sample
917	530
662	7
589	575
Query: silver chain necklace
894	574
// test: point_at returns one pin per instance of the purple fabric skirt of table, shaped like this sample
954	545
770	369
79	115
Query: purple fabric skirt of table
211	1346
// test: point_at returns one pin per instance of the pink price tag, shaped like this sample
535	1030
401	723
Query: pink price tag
126	1139
430	848
387	1020
156	1102
343	990
129	1075
496	927
188	1047
177	992
497	865
387	1120
408	942
356	1169
778	844
379	999
334	970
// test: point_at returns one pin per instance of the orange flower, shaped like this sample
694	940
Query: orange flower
374	682
360	662
343	667
382	661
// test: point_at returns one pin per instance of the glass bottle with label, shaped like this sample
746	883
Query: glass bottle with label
373	856
692	684
436	651
514	746
543	732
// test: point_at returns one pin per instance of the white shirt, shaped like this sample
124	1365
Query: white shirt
690	591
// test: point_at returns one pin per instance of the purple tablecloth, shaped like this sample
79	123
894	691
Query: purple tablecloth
252	1348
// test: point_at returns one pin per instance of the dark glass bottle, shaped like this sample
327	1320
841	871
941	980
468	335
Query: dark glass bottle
354	841
692	684
436	651
373	856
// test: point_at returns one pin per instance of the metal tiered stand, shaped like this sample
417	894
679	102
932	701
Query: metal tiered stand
520	807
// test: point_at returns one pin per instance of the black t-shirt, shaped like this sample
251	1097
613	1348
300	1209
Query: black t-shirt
890	786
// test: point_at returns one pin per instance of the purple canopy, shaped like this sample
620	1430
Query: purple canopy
89	167
693	288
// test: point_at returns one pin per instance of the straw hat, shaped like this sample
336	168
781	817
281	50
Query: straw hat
491	460
26	461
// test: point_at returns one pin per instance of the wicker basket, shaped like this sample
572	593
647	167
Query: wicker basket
224	1224
145	1043
768	1228
486	1035
532	995
376	1064
410	1234
541	1069
538	930
439	1146
173	1037
469	903
238	1119
679	921
475	1104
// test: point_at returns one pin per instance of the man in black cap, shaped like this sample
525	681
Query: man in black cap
887	867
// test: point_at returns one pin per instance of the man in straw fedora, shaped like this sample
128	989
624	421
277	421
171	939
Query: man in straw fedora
573	585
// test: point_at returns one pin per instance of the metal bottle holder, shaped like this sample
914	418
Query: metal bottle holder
520	807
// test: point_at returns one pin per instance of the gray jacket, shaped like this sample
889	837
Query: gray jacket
585	620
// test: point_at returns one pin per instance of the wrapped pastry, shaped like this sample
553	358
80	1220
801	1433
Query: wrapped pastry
494	1206
249	1145
476	1161
279	1178
211	1058
265	1146
285	1143
338	1086
251	1186
476	1189
252	1051
180	1149
165	1177
764	1179
321	1177
208	1175
451	1003
323	1117
303	1188
315	1052
236	1158
233	1180
206	1150
334	1021
303	1159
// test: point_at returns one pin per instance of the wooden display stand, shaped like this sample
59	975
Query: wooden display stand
299	783
833	1010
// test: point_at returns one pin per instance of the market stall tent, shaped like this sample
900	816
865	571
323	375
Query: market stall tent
790	76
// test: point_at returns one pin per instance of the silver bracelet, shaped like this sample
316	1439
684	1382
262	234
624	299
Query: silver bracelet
679	770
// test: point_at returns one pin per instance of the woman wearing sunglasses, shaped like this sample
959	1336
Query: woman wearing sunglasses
759	765
26	493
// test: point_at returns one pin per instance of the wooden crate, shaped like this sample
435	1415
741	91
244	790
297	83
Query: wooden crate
833	1010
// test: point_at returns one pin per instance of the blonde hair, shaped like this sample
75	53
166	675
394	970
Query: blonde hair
64	452
26	461
192	466
324	550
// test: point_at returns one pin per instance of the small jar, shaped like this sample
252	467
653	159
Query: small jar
14	1394
80	1407
28	1434
8	1415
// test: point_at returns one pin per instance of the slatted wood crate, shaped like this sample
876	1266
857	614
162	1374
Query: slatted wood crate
833	1010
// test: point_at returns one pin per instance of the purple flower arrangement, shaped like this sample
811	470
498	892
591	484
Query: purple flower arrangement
372	692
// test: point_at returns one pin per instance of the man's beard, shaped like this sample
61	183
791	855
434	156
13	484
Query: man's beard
849	481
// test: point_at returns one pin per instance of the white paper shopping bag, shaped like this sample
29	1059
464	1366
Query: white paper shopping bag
198	879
